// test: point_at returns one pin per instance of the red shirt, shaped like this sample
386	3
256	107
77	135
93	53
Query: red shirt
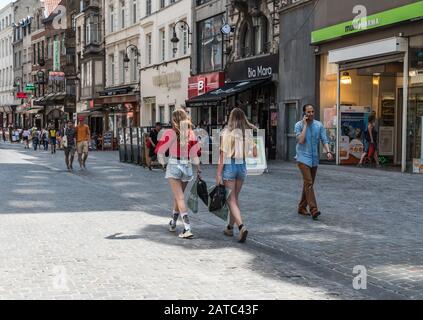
168	141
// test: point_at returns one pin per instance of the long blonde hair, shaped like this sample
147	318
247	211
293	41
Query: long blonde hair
235	142
238	120
181	124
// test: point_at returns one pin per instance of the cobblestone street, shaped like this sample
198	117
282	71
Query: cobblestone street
102	234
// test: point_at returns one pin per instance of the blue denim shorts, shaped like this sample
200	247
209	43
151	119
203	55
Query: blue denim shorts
179	170
236	170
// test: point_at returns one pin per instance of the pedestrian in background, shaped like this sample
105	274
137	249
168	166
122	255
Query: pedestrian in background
183	151
35	138
52	136
69	145
83	137
309	133
44	139
152	141
25	135
236	146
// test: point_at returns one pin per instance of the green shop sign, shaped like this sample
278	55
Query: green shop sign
385	18
30	87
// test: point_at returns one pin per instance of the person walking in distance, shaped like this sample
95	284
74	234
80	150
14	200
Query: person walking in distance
52	135
236	145
183	151
26	133
83	137
309	133
70	145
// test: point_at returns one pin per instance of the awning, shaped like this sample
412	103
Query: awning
214	97
91	110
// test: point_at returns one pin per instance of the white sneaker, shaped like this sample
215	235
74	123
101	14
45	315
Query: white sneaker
172	227
186	234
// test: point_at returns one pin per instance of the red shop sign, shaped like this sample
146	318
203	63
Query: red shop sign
21	95
204	83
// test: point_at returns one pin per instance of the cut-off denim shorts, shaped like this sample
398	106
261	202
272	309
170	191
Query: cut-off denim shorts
236	170
179	169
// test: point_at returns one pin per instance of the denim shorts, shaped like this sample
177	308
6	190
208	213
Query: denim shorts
236	170
180	170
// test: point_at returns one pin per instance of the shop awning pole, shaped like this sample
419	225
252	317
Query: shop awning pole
404	112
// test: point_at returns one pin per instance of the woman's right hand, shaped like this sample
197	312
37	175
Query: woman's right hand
219	179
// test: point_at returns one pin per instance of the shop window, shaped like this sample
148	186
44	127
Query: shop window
171	109
415	104
210	44
161	114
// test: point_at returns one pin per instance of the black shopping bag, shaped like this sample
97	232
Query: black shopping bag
202	191
217	198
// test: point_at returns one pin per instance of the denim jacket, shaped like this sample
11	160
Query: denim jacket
308	152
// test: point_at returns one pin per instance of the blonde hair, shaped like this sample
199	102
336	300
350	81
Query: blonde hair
235	143
181	124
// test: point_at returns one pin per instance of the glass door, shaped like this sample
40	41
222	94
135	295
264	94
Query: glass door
290	137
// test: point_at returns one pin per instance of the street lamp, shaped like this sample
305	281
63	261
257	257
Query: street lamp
126	58
175	38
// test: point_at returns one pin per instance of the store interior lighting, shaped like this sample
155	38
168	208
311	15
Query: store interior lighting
346	78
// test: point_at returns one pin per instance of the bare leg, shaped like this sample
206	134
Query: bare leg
362	158
376	158
178	193
175	202
232	201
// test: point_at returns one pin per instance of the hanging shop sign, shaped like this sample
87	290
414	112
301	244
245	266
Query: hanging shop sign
204	83
56	76
21	95
359	24
259	68
29	87
56	55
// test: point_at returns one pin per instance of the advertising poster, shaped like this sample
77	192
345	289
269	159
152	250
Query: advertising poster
353	124
256	166
329	116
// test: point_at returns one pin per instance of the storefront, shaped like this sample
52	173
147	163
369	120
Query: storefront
364	69
115	108
204	115
251	84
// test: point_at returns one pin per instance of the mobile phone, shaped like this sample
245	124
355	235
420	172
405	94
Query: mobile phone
304	114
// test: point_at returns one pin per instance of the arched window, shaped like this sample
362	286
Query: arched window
245	43
261	44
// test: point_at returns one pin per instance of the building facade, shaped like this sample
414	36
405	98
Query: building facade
90	61
54	64
8	102
165	65
121	95
26	114
245	41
